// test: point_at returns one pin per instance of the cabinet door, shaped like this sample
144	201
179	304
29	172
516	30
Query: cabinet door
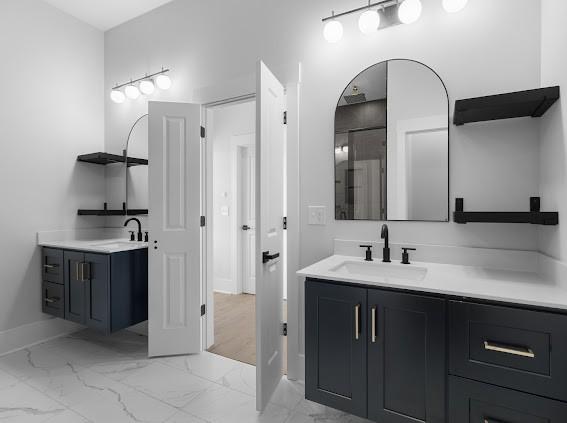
335	346
475	402
97	275
74	287
406	358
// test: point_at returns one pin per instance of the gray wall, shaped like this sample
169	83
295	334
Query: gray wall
52	109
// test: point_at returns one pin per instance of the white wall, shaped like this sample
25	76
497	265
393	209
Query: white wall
493	166
51	111
225	124
553	177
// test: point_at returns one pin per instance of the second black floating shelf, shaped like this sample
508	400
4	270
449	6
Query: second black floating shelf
107	158
534	216
106	212
532	103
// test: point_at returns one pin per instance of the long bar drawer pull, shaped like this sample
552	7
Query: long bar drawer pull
357	321
508	349
492	421
50	266
52	300
373	324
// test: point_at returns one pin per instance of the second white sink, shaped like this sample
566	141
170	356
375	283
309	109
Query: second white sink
381	270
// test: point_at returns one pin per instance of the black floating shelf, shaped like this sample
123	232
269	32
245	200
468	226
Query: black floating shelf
106	212
534	216
107	158
532	103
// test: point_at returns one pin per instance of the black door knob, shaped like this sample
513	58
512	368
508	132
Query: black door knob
246	228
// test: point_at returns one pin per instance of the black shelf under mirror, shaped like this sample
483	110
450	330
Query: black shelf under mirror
530	103
108	212
107	158
534	216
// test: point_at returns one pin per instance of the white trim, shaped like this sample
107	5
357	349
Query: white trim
34	333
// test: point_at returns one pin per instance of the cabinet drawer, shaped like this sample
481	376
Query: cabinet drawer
476	402
519	349
52	265
52	299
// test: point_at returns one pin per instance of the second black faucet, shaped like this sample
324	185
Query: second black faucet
386	250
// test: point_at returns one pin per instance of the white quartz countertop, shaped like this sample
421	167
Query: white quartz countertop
105	246
518	287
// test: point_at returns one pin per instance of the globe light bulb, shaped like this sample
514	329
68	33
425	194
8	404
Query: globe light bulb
409	11
147	86
163	82
132	92
333	31
454	6
369	22
117	96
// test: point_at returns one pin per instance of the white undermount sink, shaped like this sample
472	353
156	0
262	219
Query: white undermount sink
381	270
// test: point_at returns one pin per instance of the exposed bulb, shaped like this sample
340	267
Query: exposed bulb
117	96
163	82
132	92
147	86
333	31
369	21
454	6
409	11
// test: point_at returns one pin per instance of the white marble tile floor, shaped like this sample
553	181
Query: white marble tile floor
86	377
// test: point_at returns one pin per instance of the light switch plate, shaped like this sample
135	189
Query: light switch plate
317	215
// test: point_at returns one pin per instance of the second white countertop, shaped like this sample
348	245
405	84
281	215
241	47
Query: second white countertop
508	286
104	246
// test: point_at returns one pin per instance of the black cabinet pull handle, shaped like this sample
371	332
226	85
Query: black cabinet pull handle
266	256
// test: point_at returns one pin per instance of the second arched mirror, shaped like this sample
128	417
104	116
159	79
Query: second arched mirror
392	145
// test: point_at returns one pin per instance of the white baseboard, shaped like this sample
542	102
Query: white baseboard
34	333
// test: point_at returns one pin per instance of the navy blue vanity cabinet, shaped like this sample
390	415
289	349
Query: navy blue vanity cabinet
335	346
375	353
406	358
105	292
52	287
475	402
75	302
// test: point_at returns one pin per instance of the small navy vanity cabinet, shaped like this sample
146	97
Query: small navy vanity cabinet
398	357
406	358
375	354
336	346
105	292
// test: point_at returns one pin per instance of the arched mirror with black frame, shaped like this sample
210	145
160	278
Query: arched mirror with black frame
392	145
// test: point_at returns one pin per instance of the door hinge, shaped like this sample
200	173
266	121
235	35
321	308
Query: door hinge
285	223
203	309
203	132
203	221
285	118
284	329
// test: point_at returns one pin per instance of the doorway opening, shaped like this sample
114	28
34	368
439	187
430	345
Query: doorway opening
230	168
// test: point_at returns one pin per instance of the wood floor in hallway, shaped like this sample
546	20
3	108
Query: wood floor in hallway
235	328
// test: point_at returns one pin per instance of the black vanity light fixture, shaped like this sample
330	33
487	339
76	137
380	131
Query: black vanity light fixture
382	14
145	85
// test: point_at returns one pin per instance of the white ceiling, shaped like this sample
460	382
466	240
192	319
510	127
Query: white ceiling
106	14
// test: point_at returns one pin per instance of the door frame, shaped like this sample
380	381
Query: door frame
295	359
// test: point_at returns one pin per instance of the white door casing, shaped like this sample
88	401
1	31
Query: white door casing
248	214
174	222
270	150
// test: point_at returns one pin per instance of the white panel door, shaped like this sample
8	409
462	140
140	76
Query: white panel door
174	224
270	149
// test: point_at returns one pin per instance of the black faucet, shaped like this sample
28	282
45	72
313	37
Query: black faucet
386	250
140	235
